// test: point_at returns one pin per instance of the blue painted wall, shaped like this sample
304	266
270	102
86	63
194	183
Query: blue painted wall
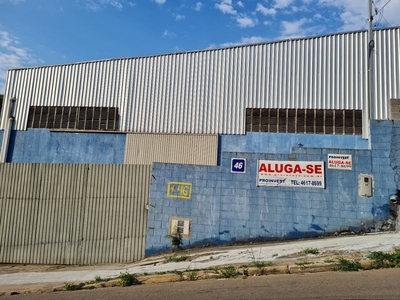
226	207
257	142
44	146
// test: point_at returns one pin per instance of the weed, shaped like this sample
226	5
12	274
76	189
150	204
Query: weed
73	287
257	262
228	272
191	275
128	279
380	259
304	263
145	273
175	258
160	273
176	239
385	260
314	251
329	261
88	287
98	279
180	273
215	269
347	265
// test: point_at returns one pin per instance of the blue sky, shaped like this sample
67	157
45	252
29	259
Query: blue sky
47	32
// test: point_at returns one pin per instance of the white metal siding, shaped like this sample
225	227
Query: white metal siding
206	92
171	148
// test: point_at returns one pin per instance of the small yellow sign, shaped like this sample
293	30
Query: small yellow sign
179	190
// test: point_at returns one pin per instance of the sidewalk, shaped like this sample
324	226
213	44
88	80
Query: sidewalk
36	278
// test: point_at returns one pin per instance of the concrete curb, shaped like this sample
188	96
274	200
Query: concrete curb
175	276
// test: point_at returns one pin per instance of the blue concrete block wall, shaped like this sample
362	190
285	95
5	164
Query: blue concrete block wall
257	142
44	146
226	207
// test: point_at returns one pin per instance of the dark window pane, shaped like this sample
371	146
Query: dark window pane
31	116
256	124
301	120
338	122
65	117
51	117
72	118
36	117
58	118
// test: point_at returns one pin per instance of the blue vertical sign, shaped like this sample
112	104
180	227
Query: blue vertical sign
238	165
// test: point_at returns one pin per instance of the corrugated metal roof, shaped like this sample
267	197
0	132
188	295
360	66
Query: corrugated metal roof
206	92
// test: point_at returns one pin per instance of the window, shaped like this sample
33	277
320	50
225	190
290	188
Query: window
321	121
71	117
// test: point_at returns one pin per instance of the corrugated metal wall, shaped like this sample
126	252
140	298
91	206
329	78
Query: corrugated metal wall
73	214
206	92
144	148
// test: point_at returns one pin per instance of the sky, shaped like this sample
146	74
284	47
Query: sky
49	32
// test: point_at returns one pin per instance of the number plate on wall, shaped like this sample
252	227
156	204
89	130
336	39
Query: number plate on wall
238	165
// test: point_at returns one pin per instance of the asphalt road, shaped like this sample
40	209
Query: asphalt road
373	284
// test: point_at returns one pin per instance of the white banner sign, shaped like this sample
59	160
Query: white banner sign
291	173
340	161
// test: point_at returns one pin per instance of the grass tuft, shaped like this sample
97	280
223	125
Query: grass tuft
314	251
228	272
348	265
73	287
128	279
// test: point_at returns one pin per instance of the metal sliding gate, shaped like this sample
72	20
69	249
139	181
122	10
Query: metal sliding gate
73	213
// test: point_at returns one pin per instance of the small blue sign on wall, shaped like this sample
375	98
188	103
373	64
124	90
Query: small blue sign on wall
238	165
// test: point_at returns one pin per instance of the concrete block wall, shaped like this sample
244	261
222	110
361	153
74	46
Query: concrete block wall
44	146
226	207
258	142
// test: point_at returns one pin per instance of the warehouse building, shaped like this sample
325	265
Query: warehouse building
255	142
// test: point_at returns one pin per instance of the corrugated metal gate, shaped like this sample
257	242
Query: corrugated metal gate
73	213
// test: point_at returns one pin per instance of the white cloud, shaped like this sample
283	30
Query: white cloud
295	29
12	56
116	4
389	16
168	33
246	22
243	41
226	7
198	6
92	5
179	17
353	13
99	4
160	1
254	40
240	3
282	3
265	11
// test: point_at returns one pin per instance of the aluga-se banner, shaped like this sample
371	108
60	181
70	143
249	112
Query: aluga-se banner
310	174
